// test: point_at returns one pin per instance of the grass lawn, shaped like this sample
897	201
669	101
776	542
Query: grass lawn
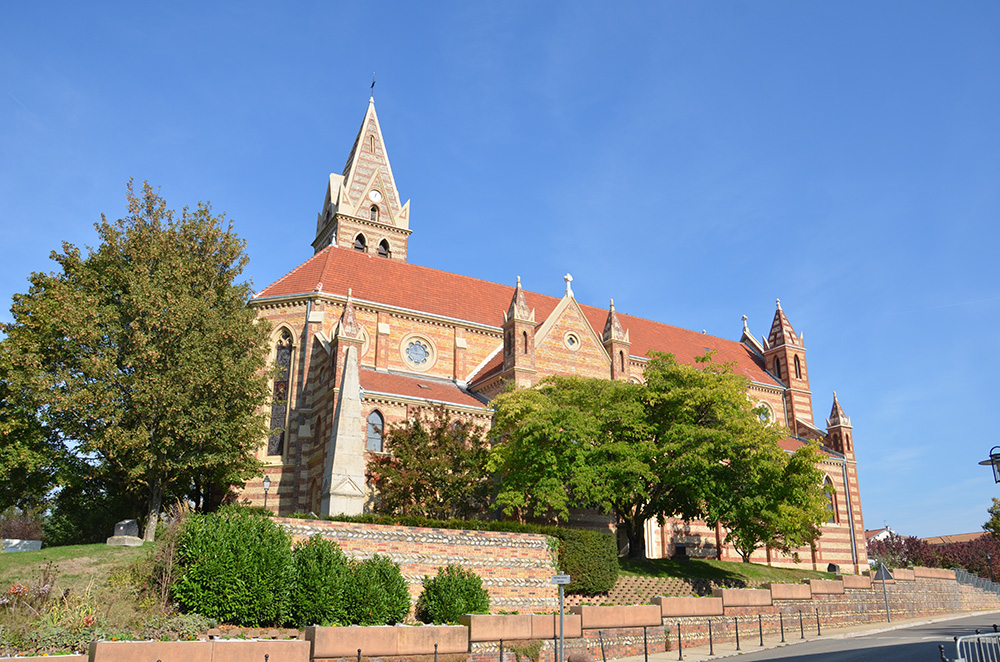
720	571
77	565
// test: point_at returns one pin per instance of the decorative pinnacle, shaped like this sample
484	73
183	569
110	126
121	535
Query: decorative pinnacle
519	281
778	302
568	279
745	318
612	304
350	292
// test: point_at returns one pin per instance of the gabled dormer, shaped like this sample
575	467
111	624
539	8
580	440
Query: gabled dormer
362	209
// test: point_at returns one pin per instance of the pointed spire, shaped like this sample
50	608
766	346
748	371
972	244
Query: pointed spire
518	309
782	332
612	327
348	326
837	416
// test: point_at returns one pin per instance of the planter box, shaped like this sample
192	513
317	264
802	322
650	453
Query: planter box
236	650
494	627
546	626
686	606
856	581
374	641
420	639
595	618
743	597
144	651
826	586
933	573
790	591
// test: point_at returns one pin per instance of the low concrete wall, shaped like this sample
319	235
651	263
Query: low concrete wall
790	591
743	597
198	651
595	618
688	606
826	586
385	640
860	581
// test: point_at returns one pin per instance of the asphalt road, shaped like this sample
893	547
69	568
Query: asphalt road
918	643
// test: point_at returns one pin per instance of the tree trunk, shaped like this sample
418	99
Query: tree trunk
636	534
153	511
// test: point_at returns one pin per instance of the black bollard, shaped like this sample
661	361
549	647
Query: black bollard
711	646
680	643
266	656
501	650
802	629
600	635
359	655
435	653
760	629
781	622
819	631
736	623
645	644
979	645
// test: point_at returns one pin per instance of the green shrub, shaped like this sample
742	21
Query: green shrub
321	570
451	594
375	593
590	558
237	568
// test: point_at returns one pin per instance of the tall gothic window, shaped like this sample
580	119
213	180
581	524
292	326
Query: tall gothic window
376	426
777	367
374	212
798	368
281	394
831	505
360	244
383	248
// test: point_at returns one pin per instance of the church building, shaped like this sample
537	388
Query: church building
365	339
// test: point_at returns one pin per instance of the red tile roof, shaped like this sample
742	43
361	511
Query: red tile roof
418	288
436	390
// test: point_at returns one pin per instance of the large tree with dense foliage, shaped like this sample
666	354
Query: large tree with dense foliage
434	467
142	354
686	444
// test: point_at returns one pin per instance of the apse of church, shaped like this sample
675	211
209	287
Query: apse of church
363	340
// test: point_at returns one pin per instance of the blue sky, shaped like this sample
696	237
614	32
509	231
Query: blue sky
692	160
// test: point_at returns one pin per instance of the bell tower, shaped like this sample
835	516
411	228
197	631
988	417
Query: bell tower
362	210
785	358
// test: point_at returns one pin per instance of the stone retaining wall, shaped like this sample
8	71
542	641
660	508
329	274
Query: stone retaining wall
516	568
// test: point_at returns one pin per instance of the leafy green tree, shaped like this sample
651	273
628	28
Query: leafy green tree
142	353
573	442
434	468
29	455
992	525
686	444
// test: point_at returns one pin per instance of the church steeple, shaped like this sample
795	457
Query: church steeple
362	209
839	429
519	340
617	343
785	358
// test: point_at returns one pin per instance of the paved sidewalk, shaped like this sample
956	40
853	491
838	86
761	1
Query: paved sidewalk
751	642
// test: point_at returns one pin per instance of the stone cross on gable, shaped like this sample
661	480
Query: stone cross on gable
569	290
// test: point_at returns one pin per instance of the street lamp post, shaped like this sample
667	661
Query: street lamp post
267	486
994	461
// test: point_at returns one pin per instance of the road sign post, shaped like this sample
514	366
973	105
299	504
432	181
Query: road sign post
883	576
561	581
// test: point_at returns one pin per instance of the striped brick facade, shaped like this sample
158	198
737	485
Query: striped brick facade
378	338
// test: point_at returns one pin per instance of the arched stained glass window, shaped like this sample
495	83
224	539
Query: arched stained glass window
376	427
280	394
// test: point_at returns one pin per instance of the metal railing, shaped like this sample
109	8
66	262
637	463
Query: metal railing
975	648
965	577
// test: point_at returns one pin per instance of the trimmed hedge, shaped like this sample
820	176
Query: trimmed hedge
321	574
451	594
590	558
237	568
375	594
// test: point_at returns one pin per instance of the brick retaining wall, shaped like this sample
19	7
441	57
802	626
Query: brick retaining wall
516	568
